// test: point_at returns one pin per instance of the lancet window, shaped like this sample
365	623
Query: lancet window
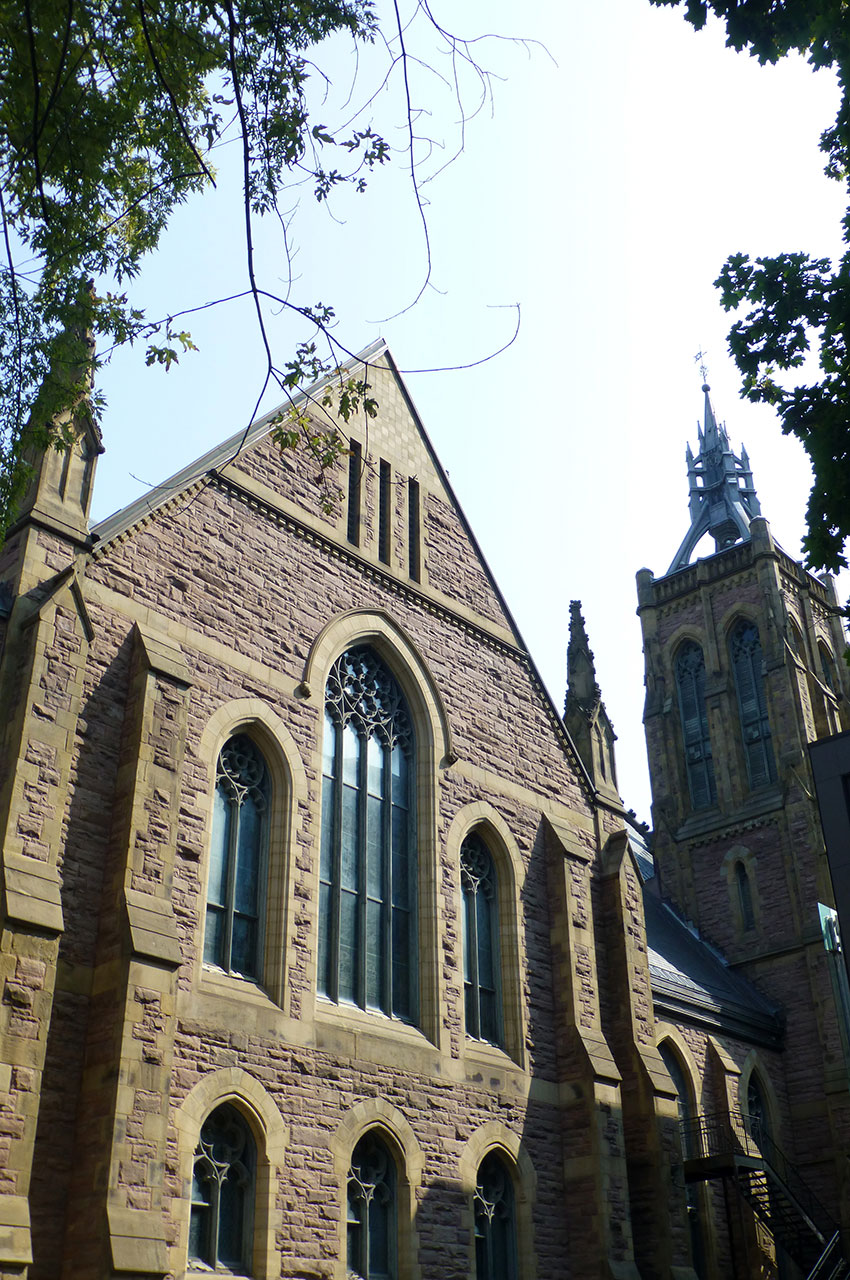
223	1187
690	683
745	896
367	902
233	931
480	941
495	1222
372	1220
746	654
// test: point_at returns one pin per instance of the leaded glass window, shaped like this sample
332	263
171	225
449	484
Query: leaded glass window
745	651
367	903
690	683
480	941
371	1212
223	1184
233	932
495	1222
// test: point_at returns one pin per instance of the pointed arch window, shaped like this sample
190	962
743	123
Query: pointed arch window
372	1220
745	897
758	1116
746	654
367	903
223	1188
482	995
690	683
495	1222
233	929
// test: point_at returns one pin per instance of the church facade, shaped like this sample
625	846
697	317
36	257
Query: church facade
327	947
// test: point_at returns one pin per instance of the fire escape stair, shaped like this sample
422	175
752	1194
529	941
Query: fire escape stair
735	1148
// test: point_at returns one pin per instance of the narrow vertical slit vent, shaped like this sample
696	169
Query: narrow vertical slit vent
355	471
413	551
384	513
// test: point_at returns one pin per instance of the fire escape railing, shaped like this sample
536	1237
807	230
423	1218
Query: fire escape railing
737	1145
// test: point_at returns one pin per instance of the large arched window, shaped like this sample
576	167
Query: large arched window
367	902
482	995
495	1221
745	652
690	683
372	1218
223	1186
233	932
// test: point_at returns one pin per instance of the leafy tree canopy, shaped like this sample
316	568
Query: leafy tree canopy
798	305
110	115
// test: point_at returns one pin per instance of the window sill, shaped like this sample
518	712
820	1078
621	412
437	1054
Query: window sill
351	1029
484	1054
216	982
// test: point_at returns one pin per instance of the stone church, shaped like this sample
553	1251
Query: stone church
328	948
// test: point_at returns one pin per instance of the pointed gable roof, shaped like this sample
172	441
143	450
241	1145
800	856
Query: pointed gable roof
217	462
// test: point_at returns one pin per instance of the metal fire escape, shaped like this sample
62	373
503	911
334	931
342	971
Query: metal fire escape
736	1148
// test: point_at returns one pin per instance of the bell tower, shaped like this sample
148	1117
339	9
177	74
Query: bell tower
744	667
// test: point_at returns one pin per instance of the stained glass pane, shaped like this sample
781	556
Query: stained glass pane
328	800
374	956
248	856
348	946
400	772
374	847
243	958
400	864
486	976
199	1223
350	834
350	756
401	964
214	937
375	767
231	1219
219	846
324	938
329	748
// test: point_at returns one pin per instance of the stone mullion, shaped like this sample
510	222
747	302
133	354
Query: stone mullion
595	1173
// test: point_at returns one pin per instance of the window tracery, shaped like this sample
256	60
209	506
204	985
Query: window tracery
223	1186
371	1215
495	1222
367	908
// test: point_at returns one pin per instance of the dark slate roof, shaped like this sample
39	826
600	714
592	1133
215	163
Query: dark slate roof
691	982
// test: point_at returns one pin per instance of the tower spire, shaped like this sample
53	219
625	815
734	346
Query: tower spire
722	499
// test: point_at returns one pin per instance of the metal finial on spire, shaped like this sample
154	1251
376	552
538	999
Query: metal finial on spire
722	499
703	368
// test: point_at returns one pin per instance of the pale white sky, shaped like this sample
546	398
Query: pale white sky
602	192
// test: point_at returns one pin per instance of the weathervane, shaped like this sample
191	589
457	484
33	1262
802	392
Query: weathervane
703	368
